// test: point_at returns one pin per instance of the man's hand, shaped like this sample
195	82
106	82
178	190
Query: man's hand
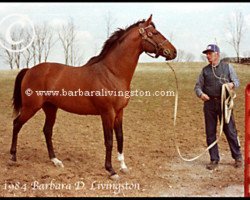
204	97
231	85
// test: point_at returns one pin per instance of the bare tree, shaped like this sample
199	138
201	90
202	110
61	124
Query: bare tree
68	38
11	55
76	57
109	22
34	52
17	59
189	57
18	35
7	57
40	40
236	29
38	51
180	56
50	42
43	43
27	57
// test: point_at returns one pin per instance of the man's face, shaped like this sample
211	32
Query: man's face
212	57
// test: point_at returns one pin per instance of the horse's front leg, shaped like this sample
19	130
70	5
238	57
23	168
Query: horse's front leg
119	138
108	125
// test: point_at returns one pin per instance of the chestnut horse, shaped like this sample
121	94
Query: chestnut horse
111	70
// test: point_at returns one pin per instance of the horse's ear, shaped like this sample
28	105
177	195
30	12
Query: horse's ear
149	20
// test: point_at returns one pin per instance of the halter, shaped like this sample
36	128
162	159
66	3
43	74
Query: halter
146	36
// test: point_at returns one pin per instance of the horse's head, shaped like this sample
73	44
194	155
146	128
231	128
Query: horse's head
154	42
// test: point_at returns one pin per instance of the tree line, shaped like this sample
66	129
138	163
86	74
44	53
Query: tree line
46	37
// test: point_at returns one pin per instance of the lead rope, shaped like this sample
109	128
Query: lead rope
226	103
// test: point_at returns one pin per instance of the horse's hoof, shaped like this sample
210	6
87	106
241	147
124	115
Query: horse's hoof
12	163
114	177
59	165
13	158
124	170
57	162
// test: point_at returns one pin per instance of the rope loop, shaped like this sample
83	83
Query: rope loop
227	103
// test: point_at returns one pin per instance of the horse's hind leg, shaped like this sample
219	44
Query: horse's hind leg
25	114
119	138
108	126
50	114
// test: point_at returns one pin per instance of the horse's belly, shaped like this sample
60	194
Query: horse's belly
87	111
81	106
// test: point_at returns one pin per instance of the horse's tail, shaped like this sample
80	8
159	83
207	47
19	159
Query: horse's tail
17	97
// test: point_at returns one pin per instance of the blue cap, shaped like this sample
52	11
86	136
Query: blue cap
212	47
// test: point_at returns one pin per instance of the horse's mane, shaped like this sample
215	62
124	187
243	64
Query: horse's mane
111	41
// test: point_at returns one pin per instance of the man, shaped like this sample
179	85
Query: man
208	88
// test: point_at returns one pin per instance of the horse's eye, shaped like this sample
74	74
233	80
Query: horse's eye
150	34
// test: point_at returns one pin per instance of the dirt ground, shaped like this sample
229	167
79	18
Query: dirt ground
156	169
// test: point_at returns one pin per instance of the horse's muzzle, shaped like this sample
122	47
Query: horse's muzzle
169	55
166	52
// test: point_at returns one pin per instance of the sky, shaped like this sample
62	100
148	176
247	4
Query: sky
189	26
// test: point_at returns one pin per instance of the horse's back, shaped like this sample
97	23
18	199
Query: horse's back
46	68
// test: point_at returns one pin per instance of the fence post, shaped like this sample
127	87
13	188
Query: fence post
247	142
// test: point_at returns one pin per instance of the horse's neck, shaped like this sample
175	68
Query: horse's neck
123	59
